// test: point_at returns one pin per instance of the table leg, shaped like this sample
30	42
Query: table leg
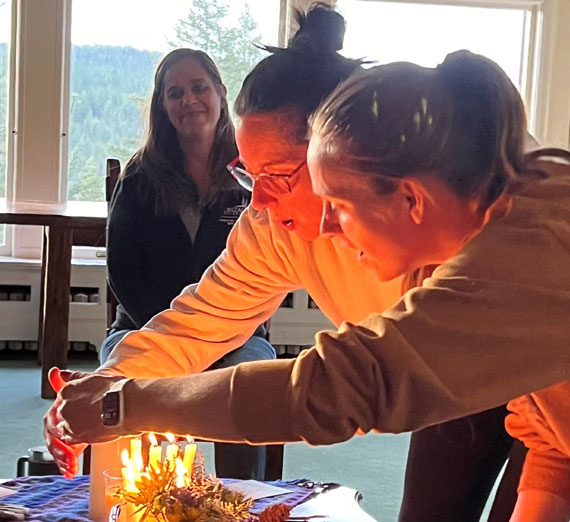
54	315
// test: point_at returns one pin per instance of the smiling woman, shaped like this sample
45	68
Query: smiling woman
192	100
173	209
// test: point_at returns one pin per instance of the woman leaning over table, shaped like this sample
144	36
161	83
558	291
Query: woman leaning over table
275	247
415	167
172	211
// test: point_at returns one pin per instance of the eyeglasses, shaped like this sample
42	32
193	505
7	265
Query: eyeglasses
276	184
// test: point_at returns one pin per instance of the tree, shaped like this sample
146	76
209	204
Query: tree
85	184
109	87
207	27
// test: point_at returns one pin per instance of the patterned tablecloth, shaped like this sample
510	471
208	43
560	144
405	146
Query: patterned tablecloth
55	499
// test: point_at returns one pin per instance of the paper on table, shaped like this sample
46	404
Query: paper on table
4	492
256	490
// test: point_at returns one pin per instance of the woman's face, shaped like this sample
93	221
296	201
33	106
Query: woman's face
191	99
269	143
382	229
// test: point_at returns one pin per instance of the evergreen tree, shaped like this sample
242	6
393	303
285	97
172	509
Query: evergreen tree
208	27
109	88
85	184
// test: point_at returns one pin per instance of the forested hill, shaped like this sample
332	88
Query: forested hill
110	86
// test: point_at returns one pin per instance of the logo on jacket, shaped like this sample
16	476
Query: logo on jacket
231	214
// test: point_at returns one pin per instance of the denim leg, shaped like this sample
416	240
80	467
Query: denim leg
241	460
112	340
255	349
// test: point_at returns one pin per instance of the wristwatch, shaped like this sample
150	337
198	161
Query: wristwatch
113	404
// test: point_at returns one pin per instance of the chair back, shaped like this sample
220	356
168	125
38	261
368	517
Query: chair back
111	180
113	172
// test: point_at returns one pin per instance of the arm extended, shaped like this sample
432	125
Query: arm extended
240	291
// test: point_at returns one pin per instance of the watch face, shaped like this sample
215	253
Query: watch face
111	405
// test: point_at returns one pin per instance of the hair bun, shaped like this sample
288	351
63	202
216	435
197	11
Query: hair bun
321	29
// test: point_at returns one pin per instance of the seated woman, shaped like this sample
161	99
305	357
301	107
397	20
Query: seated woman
542	421
172	211
415	167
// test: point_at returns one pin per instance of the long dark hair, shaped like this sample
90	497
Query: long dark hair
463	120
160	159
300	76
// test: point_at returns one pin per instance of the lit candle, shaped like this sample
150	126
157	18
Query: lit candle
189	455
154	452
172	449
181	474
136	454
128	472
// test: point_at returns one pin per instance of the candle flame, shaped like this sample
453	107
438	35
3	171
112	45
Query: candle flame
189	439
138	461
125	458
170	438
181	473
128	472
152	439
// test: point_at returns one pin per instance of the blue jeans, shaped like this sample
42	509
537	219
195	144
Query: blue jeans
239	461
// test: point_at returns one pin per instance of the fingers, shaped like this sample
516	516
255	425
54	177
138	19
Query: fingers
64	456
67	375
59	378
69	464
55	379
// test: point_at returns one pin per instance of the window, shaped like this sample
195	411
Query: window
424	33
5	23
113	59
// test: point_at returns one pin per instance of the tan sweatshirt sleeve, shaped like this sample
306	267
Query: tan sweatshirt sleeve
491	324
236	294
444	351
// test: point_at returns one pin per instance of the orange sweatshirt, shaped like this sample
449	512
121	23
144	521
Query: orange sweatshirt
491	324
542	421
260	265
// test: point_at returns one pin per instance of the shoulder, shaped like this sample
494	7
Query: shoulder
133	190
528	245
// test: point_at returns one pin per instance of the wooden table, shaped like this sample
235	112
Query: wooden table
66	224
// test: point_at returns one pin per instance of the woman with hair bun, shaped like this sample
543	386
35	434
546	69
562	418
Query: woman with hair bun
274	248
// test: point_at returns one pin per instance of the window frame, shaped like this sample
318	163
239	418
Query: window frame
6	247
33	22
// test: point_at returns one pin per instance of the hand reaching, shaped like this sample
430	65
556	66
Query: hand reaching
65	456
80	410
